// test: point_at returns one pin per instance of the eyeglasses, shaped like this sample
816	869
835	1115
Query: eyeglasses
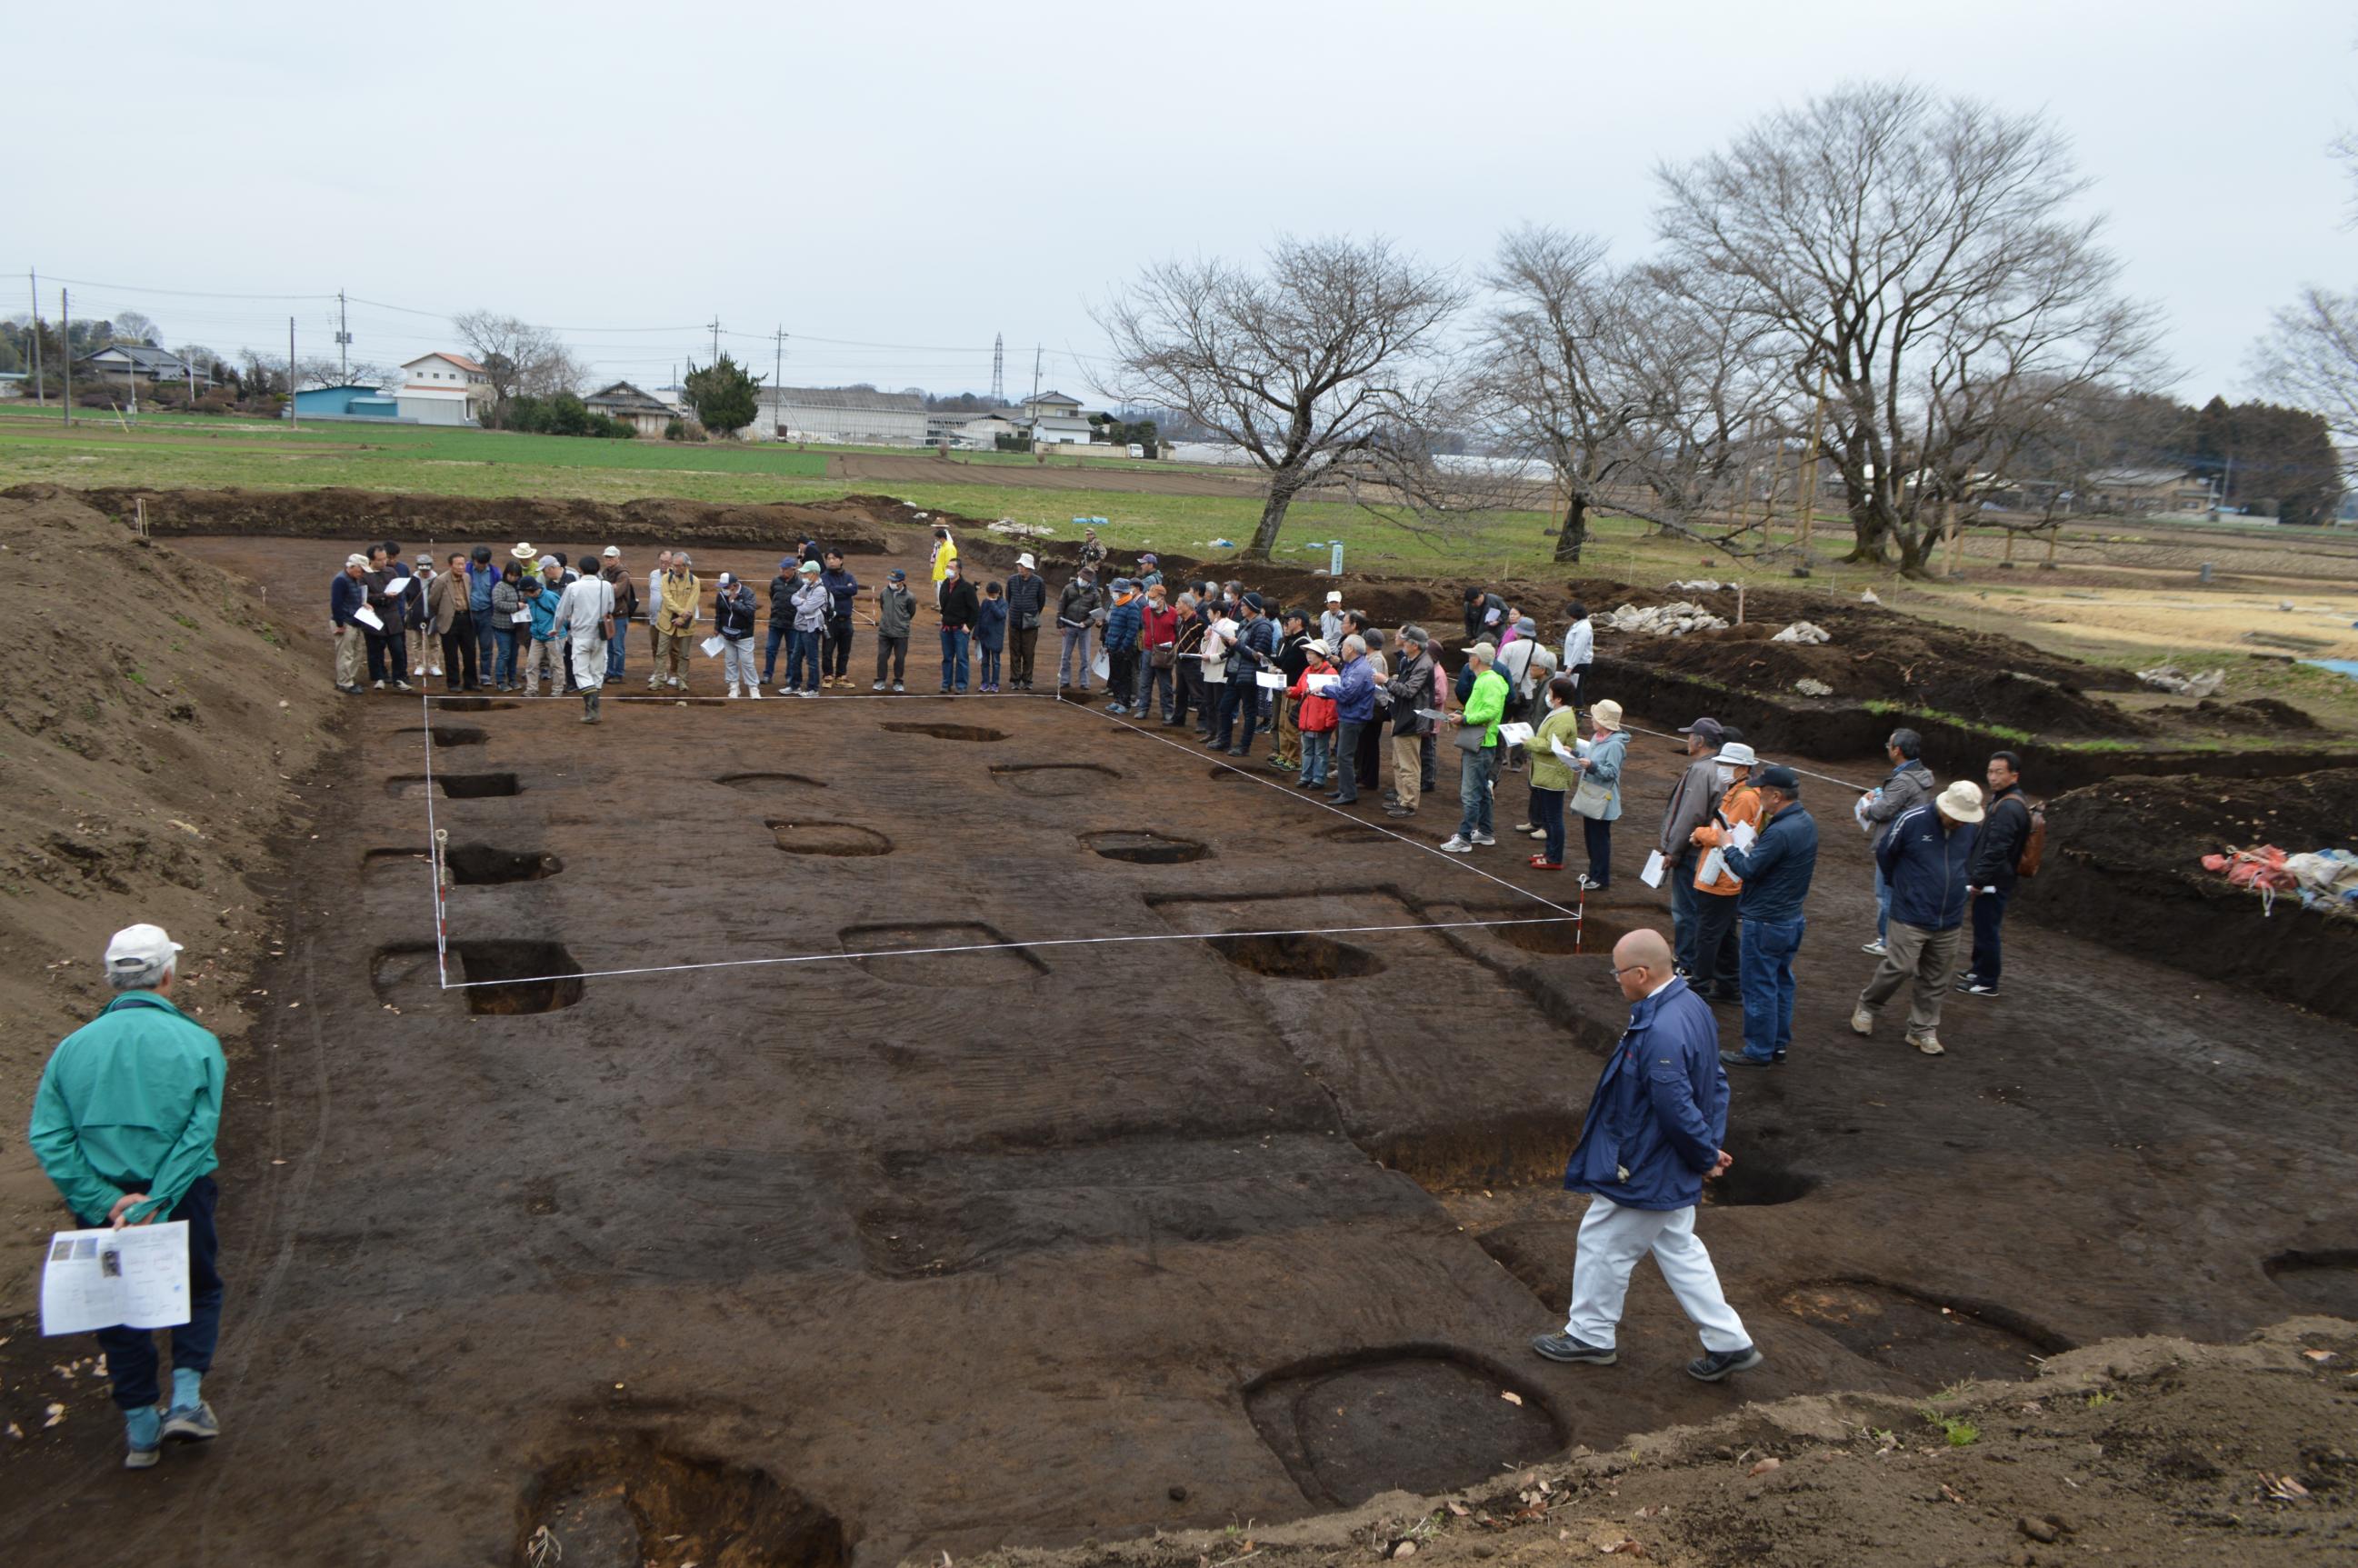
1629	969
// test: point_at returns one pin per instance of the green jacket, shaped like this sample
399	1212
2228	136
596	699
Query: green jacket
1487	704
133	1097
1548	770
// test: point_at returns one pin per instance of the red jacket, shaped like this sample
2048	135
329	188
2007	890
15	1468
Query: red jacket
1317	715
1156	627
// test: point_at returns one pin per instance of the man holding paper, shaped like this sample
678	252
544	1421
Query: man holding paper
124	1123
347	601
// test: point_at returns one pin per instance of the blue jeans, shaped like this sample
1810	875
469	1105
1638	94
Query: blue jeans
954	646
1236	697
1766	965
1076	639
1547	810
130	1352
504	672
778	635
1473	774
1882	905
620	640
802	661
486	643
1314	744
1686	909
989	658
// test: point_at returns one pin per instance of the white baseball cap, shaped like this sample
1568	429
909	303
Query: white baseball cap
613	552
356	560
136	947
1334	596
1023	561
1736	753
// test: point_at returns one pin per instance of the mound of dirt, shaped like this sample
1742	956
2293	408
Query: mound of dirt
2256	715
2140	823
152	720
2157	1452
856	522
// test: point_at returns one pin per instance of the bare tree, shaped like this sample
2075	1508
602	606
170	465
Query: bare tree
2309	358
518	357
1331	350
1918	253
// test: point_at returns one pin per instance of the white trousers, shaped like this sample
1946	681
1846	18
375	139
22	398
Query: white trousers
737	660
589	660
1612	1239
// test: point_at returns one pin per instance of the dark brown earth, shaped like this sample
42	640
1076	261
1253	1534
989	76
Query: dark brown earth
2140	840
881	1257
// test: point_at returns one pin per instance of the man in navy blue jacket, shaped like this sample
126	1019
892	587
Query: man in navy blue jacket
1653	1137
1926	859
1776	872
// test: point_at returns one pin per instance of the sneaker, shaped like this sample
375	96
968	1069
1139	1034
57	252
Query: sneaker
1454	844
1742	1059
376	685
1539	833
1564	1347
141	1458
1862	1021
898	686
402	685
1979	988
1398	811
1875	948
1927	1044
1542	863
1483	838
1529	828
186	1424
1233	750
754	692
734	693
877	686
417	669
434	670
1720	1364
804	693
1111	707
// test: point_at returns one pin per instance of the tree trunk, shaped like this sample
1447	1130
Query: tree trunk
1575	530
1272	518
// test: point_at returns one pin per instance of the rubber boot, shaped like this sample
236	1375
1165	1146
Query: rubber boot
589	708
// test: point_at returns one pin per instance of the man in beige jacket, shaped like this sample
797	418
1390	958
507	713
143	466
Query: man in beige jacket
677	612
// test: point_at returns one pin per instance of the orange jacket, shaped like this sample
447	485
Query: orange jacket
1740	804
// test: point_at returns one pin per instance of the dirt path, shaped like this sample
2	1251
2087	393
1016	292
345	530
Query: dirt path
894	1257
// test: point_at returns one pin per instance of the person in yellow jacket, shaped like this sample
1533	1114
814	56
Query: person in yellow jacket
679	606
1551	776
1717	942
945	557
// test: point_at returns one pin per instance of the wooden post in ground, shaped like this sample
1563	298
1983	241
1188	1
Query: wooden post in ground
2049	563
1955	535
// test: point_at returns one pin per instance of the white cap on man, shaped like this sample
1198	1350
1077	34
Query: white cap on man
613	552
1334	596
1023	561
136	948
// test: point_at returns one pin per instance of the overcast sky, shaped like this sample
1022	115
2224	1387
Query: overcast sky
909	179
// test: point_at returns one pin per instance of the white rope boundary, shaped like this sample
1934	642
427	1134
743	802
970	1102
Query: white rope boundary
1576	916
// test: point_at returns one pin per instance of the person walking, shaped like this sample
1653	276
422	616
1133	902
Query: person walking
1027	603
1551	775
734	610
842	593
542	650
958	609
1477	746
781	623
124	1123
1410	689
1579	644
347	596
1597	798
2005	832
1909	785
510	618
1313	690
1355	709
1255	651
1691	804
1656	1131
678	605
1121	634
1717	974
1157	641
809	606
626	608
1077	612
896	610
1776	873
1293	658
1925	860
585	618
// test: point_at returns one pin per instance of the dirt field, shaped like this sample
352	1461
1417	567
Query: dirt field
1076	1240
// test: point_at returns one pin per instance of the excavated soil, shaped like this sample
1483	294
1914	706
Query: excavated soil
2125	867
937	1223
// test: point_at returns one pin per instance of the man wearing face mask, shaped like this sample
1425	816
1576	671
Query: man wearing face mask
1692	800
1718	955
1158	637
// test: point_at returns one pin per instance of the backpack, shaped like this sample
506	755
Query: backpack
2034	840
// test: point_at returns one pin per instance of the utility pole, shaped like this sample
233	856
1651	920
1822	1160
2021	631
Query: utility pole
65	344
40	397
1036	374
777	383
343	341
998	370
716	337
294	411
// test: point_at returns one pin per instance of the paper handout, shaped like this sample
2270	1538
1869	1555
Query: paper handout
1272	680
1515	734
712	646
1325	681
137	1277
1652	875
1742	835
369	618
1555	744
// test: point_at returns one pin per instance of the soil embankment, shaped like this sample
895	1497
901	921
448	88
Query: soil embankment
2125	867
154	719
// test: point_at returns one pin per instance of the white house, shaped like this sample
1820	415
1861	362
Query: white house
443	389
123	362
1056	420
839	415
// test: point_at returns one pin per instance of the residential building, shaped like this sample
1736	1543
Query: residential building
2139	492
349	401
852	414
647	415
444	389
126	362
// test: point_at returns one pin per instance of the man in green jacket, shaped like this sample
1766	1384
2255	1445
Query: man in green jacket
1486	703
124	1123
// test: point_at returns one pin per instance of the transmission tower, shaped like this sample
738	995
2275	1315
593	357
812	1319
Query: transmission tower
998	370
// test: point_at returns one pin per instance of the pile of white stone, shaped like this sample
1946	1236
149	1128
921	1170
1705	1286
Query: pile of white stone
1674	620
1803	632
